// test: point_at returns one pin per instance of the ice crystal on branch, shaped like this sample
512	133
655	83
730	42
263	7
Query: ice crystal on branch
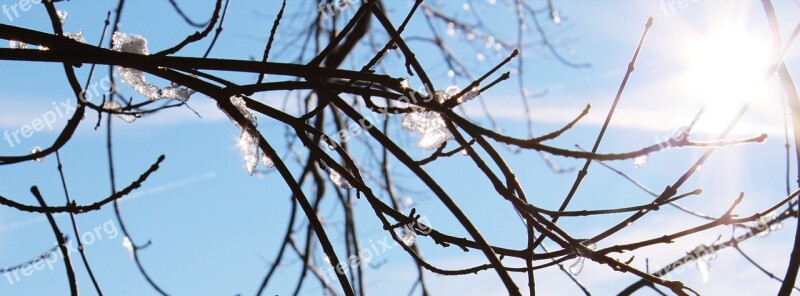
267	161
77	36
62	16
338	180
640	161
409	236
138	45
431	127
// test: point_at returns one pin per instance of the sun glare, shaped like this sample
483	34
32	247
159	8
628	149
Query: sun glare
726	67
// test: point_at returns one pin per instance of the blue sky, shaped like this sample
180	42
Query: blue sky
215	230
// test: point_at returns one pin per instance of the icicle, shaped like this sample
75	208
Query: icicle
338	180
138	45
37	149
13	44
114	105
248	144
640	161
248	140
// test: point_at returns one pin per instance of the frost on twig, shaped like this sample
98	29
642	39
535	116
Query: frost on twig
138	45
77	36
62	16
13	44
114	105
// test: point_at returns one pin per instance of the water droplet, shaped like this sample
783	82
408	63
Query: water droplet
577	267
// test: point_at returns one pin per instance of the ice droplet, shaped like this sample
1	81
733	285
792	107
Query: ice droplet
138	45
37	149
640	161
556	17
128	245
13	44
409	236
577	267
338	180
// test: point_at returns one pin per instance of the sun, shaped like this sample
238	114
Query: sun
726	66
